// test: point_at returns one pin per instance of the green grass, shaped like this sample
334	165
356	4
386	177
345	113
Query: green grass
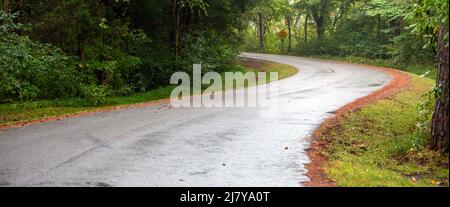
373	146
27	111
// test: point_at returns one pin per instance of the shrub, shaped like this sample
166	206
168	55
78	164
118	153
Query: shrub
424	113
31	70
208	49
94	94
418	140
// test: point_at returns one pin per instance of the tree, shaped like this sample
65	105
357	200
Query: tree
5	6
302	8
320	10
440	122
340	13
289	24
288	13
432	20
306	27
184	8
261	30
117	47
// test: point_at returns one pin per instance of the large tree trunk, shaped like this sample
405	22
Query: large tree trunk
440	123
320	28
261	31
320	12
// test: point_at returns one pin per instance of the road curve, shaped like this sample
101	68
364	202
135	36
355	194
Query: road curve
160	145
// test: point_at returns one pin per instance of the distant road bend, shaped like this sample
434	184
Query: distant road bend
165	146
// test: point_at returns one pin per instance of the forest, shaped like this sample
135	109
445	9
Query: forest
92	50
118	47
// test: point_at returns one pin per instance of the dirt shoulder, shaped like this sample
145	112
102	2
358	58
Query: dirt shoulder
400	81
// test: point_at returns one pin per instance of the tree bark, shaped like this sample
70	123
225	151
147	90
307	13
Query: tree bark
81	44
379	28
306	28
320	28
320	12
288	20
440	122
176	29
261	31
5	6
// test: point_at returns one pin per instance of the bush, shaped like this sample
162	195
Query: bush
419	139
423	123
94	94
31	70
115	62
208	49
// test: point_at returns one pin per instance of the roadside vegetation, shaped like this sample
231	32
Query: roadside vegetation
100	49
12	113
385	143
401	141
375	32
62	57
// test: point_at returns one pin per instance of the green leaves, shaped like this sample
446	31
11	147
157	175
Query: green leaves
31	70
94	94
8	25
201	5
209	49
428	16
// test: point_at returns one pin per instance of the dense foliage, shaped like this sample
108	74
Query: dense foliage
376	29
407	34
99	48
119	47
31	70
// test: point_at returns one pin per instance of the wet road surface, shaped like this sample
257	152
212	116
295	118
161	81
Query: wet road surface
164	146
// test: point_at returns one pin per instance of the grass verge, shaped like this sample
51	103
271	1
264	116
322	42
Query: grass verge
382	145
12	113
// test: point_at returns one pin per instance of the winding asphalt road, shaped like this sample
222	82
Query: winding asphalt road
164	146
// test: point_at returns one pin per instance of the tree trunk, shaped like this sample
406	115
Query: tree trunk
6	6
288	20
379	28
261	31
379	34
319	13
320	28
306	28
176	29
440	122
81	44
